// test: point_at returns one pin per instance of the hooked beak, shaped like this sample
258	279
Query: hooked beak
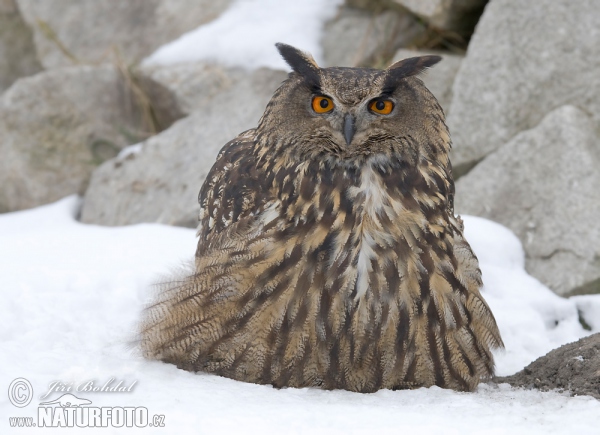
349	128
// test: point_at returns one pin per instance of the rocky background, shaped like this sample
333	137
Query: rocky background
520	84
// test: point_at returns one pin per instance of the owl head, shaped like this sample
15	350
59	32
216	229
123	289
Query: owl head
352	114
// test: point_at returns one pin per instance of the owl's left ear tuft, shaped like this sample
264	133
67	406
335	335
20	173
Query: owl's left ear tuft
302	63
407	68
413	65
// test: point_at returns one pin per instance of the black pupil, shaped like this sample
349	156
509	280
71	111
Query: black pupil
380	105
324	103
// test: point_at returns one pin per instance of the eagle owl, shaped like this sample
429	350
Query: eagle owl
329	254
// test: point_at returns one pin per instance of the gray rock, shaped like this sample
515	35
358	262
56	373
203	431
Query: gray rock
55	127
439	79
67	32
357	37
525	59
160	183
574	367
543	185
446	14
194	85
17	52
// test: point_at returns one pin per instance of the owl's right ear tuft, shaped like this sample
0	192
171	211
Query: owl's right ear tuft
302	63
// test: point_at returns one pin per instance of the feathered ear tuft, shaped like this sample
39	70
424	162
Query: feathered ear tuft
302	63
407	68
412	66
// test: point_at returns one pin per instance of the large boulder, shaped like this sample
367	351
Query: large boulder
543	185
574	367
17	52
525	59
56	127
159	180
456	15
199	85
362	37
67	32
439	79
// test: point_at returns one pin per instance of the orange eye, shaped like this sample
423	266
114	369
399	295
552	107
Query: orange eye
383	107
321	104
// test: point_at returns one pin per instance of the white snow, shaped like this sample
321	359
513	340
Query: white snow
72	294
245	34
532	319
129	151
589	306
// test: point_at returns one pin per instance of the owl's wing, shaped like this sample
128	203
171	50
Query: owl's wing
233	188
232	198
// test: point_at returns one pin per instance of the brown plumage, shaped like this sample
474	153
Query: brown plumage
329	254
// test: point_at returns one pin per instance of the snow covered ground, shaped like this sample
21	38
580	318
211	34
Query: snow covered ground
72	293
246	33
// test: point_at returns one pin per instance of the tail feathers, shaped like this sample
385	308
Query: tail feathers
165	317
